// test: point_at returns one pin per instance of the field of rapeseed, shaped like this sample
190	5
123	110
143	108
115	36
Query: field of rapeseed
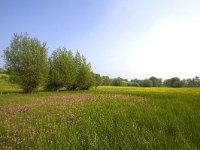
102	118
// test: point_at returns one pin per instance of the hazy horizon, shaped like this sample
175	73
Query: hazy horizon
128	39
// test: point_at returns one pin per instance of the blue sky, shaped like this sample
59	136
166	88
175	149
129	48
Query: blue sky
126	38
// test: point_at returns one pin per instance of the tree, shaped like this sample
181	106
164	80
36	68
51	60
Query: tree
85	77
157	82
106	80
61	72
137	82
26	61
133	84
194	82
117	82
77	67
66	70
98	80
147	83
174	82
167	83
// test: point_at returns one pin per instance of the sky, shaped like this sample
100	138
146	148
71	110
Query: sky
120	38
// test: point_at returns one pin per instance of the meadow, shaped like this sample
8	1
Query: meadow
102	118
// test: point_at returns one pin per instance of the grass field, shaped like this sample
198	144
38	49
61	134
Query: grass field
102	118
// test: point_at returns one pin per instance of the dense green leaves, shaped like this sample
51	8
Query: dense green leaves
106	80
117	82
28	66
147	83
84	76
173	82
156	82
98	80
71	72
61	72
26	62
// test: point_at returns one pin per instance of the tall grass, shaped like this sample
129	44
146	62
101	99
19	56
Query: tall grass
103	118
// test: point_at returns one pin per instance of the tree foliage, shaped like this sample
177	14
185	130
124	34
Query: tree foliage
147	83
174	82
194	82
106	81
136	82
156	82
71	72
98	80
26	61
84	78
61	71
117	82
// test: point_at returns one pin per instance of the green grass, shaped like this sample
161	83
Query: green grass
103	118
5	86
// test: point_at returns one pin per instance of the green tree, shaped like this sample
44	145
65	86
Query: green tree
147	83
98	80
117	82
194	82
26	61
61	72
106	80
66	70
157	82
137	82
167	83
85	77
133	84
174	82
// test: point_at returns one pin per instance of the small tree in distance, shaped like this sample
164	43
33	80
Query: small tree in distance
174	82
117	82
156	82
147	83
26	62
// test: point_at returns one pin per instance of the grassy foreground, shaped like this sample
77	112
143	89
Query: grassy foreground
103	118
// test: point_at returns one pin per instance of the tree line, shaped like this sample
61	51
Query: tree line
28	65
152	82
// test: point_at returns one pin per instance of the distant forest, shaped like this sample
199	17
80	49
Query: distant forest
152	82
